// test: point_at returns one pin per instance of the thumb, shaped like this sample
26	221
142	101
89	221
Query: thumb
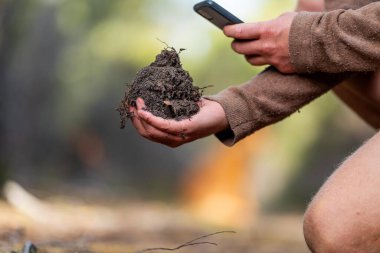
140	104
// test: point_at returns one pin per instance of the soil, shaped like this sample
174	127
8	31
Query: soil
166	88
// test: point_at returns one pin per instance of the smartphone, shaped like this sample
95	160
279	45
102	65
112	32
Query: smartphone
216	14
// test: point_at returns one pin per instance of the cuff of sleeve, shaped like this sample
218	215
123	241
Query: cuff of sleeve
237	114
301	41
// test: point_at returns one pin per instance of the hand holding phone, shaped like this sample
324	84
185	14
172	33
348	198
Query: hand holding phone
216	14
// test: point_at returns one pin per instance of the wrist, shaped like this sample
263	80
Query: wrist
221	118
217	118
300	50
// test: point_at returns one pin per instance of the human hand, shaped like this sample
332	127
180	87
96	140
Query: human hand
264	42
209	120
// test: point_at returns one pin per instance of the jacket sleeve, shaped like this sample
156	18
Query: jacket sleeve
268	98
336	41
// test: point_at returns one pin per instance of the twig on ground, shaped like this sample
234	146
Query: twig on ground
189	243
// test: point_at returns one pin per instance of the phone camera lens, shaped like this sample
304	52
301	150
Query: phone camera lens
205	14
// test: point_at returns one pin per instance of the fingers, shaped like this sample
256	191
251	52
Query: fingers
256	60
169	126
173	127
211	119
149	131
243	31
264	43
257	52
247	47
156	135
140	104
253	52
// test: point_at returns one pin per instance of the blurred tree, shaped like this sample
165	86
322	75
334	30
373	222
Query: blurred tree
30	47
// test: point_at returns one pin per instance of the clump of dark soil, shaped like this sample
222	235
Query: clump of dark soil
166	88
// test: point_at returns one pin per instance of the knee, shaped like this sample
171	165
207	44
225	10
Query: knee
321	235
315	232
327	231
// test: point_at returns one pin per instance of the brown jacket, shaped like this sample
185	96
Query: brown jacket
339	46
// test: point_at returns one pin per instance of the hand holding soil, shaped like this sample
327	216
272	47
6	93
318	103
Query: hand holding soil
165	107
166	88
209	120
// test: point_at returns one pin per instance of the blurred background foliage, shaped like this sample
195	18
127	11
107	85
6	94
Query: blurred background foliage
64	65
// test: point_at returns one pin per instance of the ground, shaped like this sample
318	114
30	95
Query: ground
71	226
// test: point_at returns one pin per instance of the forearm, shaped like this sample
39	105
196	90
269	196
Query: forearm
267	99
336	41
